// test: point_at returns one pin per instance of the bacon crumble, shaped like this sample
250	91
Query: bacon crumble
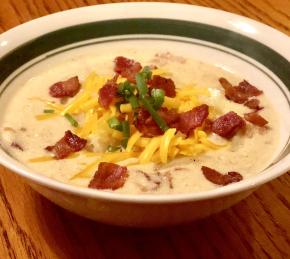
145	124
228	125
253	104
184	122
192	119
127	68
68	88
207	125
171	117
109	176
108	93
67	145
166	84
249	89
255	119
241	93
220	179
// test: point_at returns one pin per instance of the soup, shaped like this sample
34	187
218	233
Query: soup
208	127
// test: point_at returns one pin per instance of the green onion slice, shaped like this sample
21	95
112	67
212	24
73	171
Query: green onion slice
134	102
115	124
126	89
141	84
111	148
48	111
158	96
71	120
126	133
147	73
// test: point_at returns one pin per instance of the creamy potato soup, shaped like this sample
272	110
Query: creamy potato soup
165	124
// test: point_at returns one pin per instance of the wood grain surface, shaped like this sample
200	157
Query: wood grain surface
32	227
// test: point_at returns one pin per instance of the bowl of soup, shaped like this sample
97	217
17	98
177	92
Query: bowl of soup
125	122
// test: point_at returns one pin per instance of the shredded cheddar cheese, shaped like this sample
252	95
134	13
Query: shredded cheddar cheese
165	143
46	116
94	120
90	169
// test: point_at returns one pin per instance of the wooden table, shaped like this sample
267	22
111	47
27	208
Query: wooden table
32	227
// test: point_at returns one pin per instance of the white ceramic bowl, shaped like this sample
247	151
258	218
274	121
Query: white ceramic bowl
234	42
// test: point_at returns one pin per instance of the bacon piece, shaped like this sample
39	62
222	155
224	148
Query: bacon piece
241	93
249	89
166	84
127	68
228	125
146	125
68	88
171	117
67	145
253	104
220	179
184	122
108	93
255	119
109	176
192	119
232	93
207	125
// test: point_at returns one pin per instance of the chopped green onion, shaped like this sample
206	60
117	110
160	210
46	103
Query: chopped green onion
134	101
141	84
111	148
147	73
71	120
114	123
126	89
160	122
48	111
158	96
126	133
126	129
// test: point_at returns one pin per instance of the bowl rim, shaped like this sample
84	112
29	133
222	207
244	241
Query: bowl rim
13	37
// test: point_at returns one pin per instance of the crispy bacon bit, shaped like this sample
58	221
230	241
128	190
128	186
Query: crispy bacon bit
70	143
228	125
207	125
220	179
232	93
145	124
256	119
192	119
184	122
108	93
170	116
166	84
127	68
17	146
109	176
68	88
249	89
253	104
241	93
